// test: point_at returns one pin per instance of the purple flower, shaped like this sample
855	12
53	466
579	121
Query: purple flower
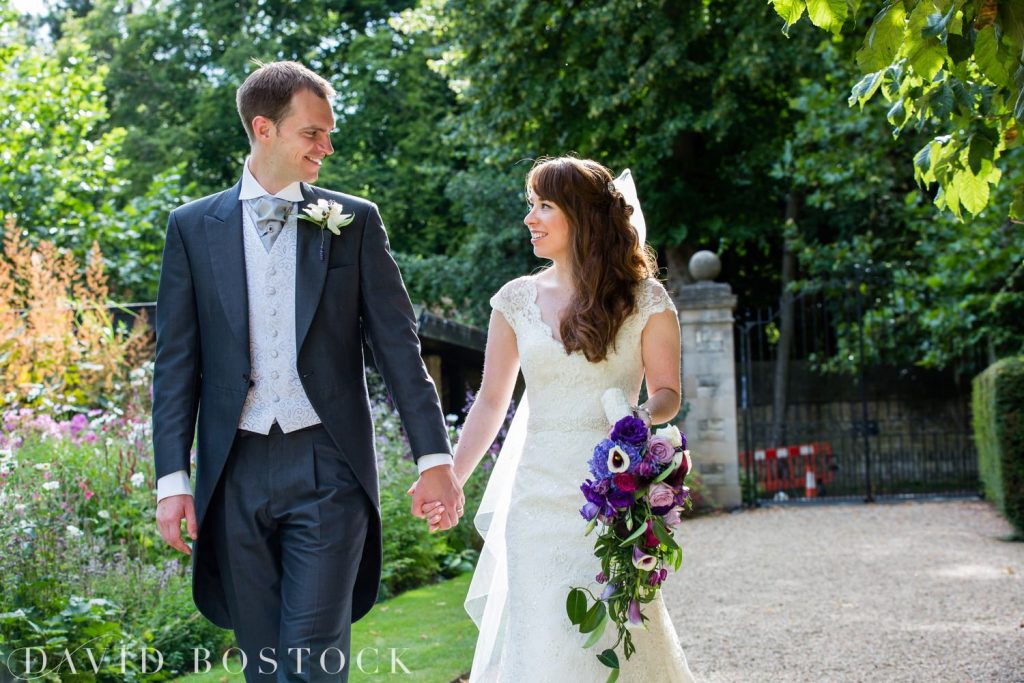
609	591
600	578
597	503
78	423
635	617
631	430
650	538
661	497
647	468
657	577
599	461
620	499
642	560
682	494
661	449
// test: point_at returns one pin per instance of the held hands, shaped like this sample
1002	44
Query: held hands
169	513
438	498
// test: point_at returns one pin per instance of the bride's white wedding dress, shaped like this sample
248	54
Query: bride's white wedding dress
534	548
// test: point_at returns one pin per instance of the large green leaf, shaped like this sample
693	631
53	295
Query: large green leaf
595	615
925	54
971	190
982	147
986	54
789	10
866	88
596	633
882	42
609	659
827	14
576	606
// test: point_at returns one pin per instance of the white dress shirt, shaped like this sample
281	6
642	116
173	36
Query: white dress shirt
177	483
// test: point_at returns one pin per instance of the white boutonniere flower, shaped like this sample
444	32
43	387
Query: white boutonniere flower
328	214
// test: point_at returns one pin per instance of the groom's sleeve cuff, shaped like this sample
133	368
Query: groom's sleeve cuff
173	484
425	462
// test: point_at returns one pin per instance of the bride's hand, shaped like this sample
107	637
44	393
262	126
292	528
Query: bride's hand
432	510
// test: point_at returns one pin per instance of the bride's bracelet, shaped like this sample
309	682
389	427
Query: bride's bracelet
640	409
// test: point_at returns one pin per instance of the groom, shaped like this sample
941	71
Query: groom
260	324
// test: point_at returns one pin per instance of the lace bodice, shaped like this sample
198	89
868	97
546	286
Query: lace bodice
568	385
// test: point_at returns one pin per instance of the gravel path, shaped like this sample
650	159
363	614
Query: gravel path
915	591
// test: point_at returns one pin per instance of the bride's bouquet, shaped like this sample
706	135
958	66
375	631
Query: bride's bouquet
634	500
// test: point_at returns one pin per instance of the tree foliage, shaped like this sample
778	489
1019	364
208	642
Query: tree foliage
954	64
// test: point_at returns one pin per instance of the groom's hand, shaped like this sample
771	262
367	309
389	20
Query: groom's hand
441	485
169	513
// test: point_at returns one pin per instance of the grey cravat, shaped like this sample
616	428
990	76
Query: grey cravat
271	213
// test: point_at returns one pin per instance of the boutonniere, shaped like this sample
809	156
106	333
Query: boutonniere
328	215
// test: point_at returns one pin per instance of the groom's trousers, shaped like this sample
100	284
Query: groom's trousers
290	519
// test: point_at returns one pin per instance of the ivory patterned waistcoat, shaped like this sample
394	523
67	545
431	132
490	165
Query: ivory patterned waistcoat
276	392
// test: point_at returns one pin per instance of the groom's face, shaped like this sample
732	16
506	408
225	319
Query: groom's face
301	140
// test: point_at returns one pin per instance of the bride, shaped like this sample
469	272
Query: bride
595	319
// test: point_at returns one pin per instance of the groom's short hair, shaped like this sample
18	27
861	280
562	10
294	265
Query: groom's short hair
268	91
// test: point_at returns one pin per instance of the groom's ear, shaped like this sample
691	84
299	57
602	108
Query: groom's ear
261	128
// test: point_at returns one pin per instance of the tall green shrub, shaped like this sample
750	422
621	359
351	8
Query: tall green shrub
998	413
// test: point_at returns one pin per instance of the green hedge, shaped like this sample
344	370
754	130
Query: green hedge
998	411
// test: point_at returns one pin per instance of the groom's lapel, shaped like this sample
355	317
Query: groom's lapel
310	268
227	254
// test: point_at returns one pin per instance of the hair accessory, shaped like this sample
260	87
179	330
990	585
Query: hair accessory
624	184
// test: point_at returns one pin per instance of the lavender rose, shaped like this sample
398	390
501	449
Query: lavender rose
661	449
661	495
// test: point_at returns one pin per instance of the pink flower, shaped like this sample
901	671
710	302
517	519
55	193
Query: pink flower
657	577
89	495
661	449
624	482
671	518
661	495
650	538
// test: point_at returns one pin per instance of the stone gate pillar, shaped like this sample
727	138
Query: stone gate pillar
709	378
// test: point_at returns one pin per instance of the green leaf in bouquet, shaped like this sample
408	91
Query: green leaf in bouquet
633	536
594	616
613	676
598	631
590	526
609	659
668	470
664	535
576	606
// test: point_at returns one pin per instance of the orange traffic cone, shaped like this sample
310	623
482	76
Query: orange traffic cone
810	484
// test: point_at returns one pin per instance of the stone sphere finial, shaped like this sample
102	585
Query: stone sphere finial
705	266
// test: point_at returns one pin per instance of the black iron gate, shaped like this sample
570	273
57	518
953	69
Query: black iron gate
852	424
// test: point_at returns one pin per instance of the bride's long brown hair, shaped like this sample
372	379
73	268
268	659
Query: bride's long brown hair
605	256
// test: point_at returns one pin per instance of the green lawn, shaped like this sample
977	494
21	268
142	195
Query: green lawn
427	628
